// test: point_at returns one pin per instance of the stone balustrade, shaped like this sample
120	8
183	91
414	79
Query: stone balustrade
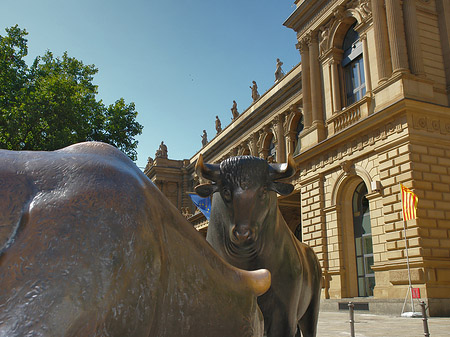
349	115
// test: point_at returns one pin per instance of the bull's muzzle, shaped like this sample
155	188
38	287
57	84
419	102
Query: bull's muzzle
242	235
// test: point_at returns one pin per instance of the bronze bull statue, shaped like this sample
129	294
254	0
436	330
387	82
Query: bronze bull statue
90	247
247	229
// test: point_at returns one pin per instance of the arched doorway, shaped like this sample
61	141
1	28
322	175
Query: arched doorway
355	237
363	241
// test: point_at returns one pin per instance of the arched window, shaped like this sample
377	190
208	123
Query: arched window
363	241
353	67
298	144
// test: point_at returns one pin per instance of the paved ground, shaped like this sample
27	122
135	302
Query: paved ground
336	324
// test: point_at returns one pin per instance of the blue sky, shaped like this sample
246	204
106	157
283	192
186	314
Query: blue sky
181	62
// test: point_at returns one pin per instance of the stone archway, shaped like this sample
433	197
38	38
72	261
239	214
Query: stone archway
294	126
344	197
353	228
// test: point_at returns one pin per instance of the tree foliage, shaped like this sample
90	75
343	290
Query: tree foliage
53	103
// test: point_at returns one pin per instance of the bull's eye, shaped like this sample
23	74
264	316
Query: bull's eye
226	193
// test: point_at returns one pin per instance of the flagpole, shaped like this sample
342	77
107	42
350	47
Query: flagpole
407	260
409	270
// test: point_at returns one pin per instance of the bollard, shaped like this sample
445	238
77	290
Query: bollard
352	318
426	332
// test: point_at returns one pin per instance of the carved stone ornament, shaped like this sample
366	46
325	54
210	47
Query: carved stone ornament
364	9
338	12
324	33
306	41
347	167
430	124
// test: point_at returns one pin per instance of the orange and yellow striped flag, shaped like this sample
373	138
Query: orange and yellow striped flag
409	203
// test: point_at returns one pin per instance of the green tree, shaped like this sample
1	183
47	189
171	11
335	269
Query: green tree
53	104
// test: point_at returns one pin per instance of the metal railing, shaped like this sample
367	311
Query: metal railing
426	331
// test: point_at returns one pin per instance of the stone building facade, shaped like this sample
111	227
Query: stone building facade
366	110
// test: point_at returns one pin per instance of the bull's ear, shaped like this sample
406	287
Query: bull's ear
205	190
281	188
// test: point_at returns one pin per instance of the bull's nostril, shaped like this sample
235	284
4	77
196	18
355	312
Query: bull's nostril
235	235
242	235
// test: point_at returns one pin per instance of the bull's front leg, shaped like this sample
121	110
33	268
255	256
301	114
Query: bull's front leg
277	321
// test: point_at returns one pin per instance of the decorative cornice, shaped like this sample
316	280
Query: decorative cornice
308	23
362	7
337	155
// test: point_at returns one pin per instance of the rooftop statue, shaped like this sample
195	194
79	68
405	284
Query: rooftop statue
218	125
247	229
204	138
255	94
90	247
162	151
150	163
279	73
234	110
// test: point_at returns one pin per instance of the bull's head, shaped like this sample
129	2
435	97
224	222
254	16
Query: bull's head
247	186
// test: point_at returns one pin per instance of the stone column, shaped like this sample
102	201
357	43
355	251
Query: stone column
368	77
281	143
306	86
397	40
254	144
443	9
412	38
336	85
261	152
290	140
316	91
381	40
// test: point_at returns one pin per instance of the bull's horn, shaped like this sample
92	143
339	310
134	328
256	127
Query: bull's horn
256	281
283	171
207	171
